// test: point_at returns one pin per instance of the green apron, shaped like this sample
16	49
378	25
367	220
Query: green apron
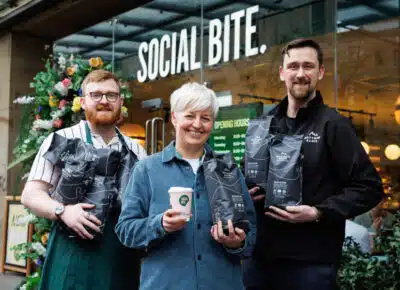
77	264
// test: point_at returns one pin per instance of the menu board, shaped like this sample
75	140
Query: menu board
230	128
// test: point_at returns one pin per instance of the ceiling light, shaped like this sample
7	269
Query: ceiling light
392	152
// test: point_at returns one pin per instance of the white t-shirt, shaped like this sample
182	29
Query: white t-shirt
43	170
194	163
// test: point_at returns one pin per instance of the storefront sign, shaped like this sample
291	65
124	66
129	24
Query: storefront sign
181	50
230	128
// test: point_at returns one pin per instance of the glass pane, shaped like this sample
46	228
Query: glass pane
242	56
163	54
368	88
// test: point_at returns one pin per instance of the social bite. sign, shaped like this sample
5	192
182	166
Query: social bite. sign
155	61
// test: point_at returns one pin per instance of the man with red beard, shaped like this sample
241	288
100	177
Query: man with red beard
299	246
81	262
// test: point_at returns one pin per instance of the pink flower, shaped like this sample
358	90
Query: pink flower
66	82
62	104
37	117
58	123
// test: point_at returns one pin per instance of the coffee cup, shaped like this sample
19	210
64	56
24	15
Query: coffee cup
180	199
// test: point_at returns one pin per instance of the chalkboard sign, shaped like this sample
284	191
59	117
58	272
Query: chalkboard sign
15	233
230	127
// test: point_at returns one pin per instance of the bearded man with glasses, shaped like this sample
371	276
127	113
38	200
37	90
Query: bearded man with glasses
83	262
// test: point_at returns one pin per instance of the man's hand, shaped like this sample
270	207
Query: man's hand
294	214
173	221
254	197
76	218
234	240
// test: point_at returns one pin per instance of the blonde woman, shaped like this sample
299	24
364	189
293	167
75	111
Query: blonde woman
183	253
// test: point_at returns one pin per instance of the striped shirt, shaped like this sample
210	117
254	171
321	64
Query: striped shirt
43	170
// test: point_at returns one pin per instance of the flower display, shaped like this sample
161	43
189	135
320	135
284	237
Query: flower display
55	104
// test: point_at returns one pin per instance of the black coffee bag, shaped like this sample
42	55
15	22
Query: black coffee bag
225	193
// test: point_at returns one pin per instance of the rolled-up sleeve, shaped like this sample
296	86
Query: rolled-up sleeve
42	169
135	228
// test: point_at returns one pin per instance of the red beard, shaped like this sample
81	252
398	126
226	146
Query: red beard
103	115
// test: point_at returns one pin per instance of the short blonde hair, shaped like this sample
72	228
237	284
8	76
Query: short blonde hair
194	96
97	76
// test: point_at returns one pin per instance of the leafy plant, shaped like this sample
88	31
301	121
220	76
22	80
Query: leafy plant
362	271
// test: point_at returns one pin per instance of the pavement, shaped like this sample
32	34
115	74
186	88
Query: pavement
10	280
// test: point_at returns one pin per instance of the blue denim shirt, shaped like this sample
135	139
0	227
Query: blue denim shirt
189	258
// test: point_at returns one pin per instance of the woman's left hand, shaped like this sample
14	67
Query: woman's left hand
234	240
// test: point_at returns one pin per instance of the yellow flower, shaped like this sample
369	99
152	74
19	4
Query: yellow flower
71	70
76	104
124	111
96	62
44	238
53	101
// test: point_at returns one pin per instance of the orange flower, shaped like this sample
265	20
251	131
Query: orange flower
96	62
44	238
71	71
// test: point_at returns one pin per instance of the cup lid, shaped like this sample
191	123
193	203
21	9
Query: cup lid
180	189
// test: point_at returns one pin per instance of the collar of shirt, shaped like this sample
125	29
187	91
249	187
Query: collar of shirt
169	153
99	139
304	113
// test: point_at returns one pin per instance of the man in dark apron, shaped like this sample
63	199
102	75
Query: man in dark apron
74	259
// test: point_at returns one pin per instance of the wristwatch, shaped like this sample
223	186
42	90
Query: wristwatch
59	210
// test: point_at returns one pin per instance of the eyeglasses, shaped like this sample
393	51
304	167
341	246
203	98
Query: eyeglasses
97	96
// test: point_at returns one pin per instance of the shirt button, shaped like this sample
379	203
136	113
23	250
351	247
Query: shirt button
199	257
198	226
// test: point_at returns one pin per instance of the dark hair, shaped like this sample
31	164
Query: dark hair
302	42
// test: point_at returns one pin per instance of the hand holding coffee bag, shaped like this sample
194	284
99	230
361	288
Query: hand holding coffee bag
285	178
222	177
257	153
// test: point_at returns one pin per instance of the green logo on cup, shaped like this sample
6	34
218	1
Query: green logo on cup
183	200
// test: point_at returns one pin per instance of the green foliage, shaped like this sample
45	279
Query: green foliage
51	107
54	105
361	271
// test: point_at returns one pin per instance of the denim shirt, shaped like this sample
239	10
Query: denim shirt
189	258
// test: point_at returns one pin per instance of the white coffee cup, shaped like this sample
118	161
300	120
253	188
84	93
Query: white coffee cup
180	199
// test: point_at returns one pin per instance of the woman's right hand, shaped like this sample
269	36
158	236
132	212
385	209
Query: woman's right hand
173	221
256	197
76	218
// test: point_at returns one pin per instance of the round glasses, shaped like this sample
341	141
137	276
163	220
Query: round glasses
97	96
